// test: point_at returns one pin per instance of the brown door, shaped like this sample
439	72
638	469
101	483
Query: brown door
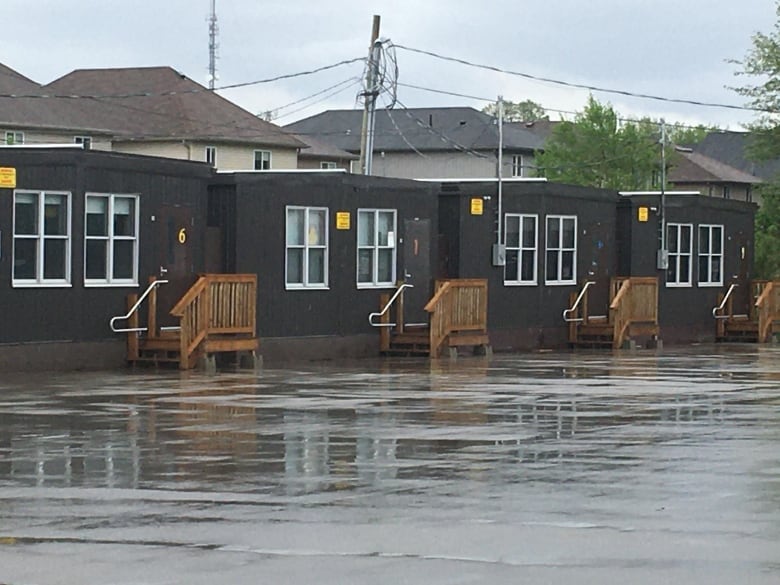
175	237
417	269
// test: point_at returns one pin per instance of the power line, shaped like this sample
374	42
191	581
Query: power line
347	82
580	85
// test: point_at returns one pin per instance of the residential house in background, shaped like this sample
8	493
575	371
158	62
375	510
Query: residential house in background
427	143
319	155
693	171
159	111
732	148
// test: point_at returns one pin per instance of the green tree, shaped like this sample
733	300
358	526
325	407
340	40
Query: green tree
762	64
597	150
525	111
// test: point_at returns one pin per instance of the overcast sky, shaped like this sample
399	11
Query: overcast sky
669	48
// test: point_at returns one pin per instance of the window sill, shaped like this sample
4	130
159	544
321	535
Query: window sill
560	283
370	286
304	287
41	285
95	284
710	284
519	283
679	285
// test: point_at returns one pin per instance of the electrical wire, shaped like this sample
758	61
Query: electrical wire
581	85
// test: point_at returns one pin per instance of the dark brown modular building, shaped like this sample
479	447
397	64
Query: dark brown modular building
324	246
554	235
79	230
710	246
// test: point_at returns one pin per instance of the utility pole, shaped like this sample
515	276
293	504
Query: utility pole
213	30
370	95
499	249
663	253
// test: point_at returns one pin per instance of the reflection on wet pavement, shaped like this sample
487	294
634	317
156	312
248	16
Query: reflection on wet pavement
547	468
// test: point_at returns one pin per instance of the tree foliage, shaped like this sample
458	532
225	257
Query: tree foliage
762	64
525	111
597	150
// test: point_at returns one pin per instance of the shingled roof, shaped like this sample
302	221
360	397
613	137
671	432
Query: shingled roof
694	167
423	129
158	103
730	147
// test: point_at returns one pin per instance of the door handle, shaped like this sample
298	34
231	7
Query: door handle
163	270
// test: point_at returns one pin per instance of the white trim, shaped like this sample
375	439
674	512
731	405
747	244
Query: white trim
709	255
375	249
560	250
110	239
518	281
206	149
306	249
679	283
485	180
40	238
282	171
262	159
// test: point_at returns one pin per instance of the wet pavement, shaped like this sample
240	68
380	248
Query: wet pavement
635	467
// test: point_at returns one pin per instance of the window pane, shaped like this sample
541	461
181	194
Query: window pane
529	232
96	259
25	254
715	273
123	259
510	268
55	215
527	268
366	228
512	232
568	233
704	240
54	257
671	271
553	233
365	265
552	265
97	216
385	266
704	263
26	214
317	266
385	226
316	235
685	264
124	216
295	266
295	227
567	266
685	238
671	237
717	239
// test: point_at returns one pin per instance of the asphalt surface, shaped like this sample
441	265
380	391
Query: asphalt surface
633	467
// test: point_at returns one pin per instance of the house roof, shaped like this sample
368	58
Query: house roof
729	147
158	103
423	129
323	150
694	167
540	128
13	82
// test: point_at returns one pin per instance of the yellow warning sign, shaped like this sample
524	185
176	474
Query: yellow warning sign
342	220
7	178
643	213
476	206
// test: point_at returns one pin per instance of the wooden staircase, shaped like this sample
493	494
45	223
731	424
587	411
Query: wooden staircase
457	318
633	311
758	324
216	315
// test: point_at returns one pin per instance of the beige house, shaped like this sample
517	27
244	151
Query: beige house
151	111
694	171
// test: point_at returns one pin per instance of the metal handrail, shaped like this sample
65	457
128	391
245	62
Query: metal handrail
386	308
134	308
576	304
722	305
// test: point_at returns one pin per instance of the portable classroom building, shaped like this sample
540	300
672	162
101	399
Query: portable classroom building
79	230
710	245
324	246
555	236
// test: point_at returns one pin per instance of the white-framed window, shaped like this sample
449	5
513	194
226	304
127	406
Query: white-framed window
262	160
42	242
84	141
521	239
376	247
210	155
327	164
13	137
561	249
679	241
354	167
518	166
306	251
710	255
110	239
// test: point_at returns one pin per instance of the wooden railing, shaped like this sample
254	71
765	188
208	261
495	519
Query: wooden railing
456	306
217	304
633	300
767	307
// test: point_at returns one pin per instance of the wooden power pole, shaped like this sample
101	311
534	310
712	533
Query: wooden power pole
369	108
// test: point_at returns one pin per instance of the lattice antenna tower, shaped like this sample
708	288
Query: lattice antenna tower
213	45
